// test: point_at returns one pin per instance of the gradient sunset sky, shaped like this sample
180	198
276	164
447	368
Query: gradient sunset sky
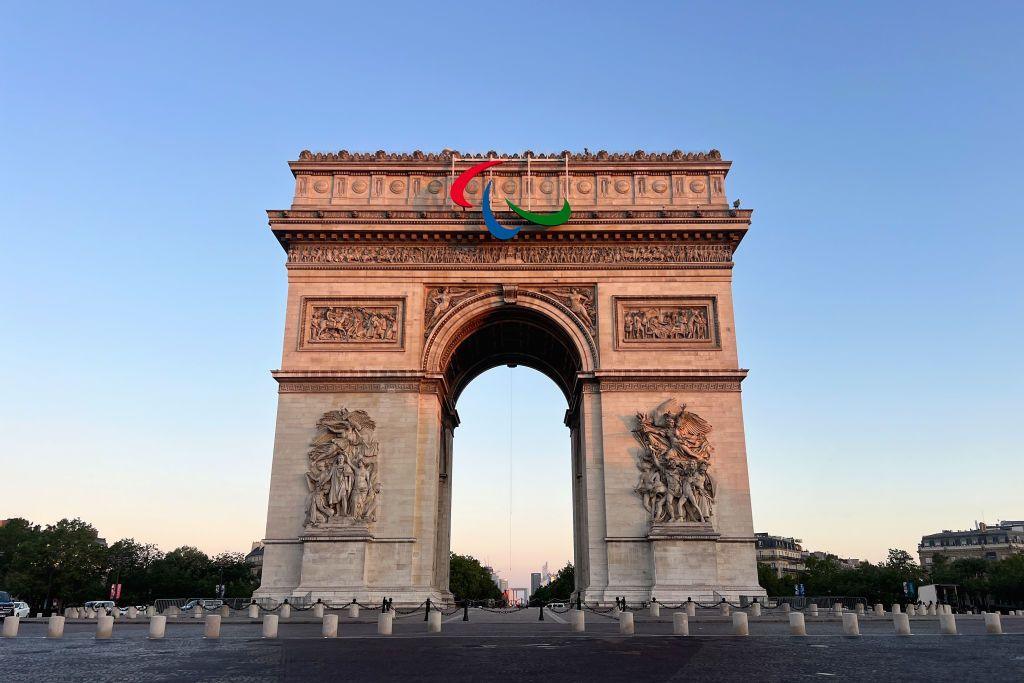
878	294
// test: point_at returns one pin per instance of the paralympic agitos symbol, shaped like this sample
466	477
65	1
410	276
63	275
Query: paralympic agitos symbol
497	229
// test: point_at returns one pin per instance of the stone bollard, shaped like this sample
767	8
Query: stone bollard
254	611
879	610
911	610
353	611
132	612
75	613
384	623
812	610
797	625
67	612
896	608
11	627
270	626
858	609
993	624
626	623
947	624
739	624
330	627
931	610
786	608
948	608
285	611
851	626
838	609
655	609
225	611
211	629
691	609
150	611
901	623
318	610
724	608
680	624
434	622
104	628
157	626
577	622
197	612
55	627
755	609
172	611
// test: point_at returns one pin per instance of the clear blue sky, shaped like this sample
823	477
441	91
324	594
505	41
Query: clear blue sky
878	294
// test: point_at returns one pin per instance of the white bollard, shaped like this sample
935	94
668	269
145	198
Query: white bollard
691	609
911	610
577	623
270	626
434	622
948	609
318	610
67	612
901	623
150	611
254	611
858	609
384	624
931	610
739	624
850	625
197	612
157	626
879	610
812	610
225	611
211	628
755	609
132	612
330	627
896	608
55	627
626	623
172	611
993	624
75	613
655	609
724	608
797	625
680	624
104	628
838	609
947	624
11	627
285	611
353	611
786	608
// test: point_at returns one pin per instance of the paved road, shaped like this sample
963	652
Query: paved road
495	647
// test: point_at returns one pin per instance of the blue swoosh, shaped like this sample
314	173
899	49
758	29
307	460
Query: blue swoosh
496	228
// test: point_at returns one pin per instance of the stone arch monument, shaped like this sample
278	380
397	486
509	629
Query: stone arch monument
398	298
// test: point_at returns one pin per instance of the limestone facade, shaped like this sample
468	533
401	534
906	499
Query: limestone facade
397	299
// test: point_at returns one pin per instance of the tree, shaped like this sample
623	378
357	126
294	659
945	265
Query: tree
65	562
774	584
560	588
470	580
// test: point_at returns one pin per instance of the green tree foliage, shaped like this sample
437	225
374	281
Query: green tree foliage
983	582
67	563
560	589
469	580
775	585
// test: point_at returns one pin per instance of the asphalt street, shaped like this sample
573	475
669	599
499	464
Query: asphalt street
496	646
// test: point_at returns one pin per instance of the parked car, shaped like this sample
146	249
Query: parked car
205	603
21	609
6	605
98	605
556	605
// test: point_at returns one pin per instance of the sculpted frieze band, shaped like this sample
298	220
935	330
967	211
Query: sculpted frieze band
496	254
351	324
682	322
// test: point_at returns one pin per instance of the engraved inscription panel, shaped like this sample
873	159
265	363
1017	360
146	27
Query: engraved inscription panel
681	322
352	324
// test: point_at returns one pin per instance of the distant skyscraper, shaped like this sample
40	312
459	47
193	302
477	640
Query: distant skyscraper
534	582
545	575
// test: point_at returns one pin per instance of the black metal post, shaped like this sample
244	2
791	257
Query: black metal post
579	601
465	610
541	612
383	605
426	613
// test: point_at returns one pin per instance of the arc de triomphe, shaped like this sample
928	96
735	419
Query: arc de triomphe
398	298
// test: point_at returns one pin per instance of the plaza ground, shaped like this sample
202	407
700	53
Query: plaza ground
494	646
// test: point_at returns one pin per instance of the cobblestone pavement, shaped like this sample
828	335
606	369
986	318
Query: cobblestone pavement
517	646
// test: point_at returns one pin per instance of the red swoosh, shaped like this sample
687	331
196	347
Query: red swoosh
460	183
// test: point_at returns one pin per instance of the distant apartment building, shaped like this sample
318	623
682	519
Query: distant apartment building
986	542
255	559
783	554
843	562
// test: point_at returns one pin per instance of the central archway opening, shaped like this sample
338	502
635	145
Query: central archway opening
512	496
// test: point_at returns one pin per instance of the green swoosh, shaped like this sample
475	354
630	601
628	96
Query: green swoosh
548	219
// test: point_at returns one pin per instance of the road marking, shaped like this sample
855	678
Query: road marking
557	618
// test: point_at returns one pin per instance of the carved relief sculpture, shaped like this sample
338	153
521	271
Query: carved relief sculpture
579	300
666	323
342	473
675	484
440	300
340	323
